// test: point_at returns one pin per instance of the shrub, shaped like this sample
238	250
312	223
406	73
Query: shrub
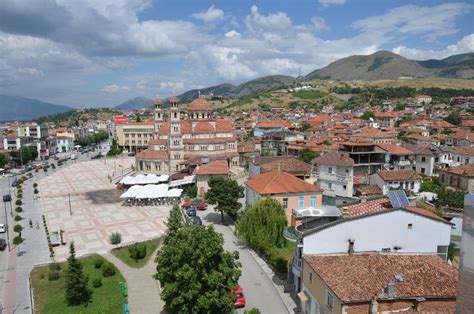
36	170
97	282
35	185
35	191
18	209
18	202
252	311
45	169
98	262
54	266
17	228
137	251
115	238
18	218
53	275
17	240
108	270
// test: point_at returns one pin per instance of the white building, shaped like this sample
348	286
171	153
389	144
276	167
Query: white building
64	144
334	173
403	230
407	180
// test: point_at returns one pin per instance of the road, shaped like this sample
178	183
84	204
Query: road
258	289
5	207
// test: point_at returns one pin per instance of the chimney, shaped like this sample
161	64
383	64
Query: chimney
390	289
374	306
351	246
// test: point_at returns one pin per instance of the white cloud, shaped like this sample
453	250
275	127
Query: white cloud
232	33
273	22
141	85
429	22
327	3
320	24
212	15
171	85
466	44
114	88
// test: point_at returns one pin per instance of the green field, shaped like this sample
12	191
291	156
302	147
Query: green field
309	94
49	295
123	254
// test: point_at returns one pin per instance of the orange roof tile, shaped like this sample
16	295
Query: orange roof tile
395	175
199	104
395	149
218	167
274	124
365	208
203	127
362	277
424	212
278	182
224	125
152	154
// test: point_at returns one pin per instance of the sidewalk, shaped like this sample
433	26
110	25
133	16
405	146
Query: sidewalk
143	290
279	286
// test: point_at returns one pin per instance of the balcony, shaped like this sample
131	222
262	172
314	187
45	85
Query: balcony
291	234
332	176
296	266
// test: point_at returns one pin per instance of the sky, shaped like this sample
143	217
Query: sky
97	53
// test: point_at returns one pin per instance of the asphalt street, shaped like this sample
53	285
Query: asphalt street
258	289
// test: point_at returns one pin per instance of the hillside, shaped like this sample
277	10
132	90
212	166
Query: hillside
386	65
135	103
21	108
261	84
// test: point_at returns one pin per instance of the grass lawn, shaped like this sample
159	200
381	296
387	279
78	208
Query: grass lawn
49	295
123	254
309	94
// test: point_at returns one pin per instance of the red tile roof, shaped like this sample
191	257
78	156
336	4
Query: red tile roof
395	149
464	170
216	140
224	126
361	277
185	127
173	99
152	154
157	141
335	159
424	212
385	114
218	167
199	104
278	182
290	165
395	175
365	208
203	128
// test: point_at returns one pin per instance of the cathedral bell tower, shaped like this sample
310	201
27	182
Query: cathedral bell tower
175	139
158	117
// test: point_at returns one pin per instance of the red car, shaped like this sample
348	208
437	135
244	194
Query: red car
196	202
239	298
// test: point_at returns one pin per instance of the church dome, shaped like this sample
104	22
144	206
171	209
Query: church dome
203	128
199	104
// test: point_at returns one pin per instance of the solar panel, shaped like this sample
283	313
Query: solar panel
398	199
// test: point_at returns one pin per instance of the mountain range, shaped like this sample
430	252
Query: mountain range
21	108
381	65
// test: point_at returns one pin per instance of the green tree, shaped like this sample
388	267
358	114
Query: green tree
114	149
174	222
307	155
454	118
262	224
4	159
195	272
367	115
76	292
305	127
24	155
224	193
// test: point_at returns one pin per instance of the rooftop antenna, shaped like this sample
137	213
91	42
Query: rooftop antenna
199	93
299	72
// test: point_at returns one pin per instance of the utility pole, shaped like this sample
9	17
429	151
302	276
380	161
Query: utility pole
70	209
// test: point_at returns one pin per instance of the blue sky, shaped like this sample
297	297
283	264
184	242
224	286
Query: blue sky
90	53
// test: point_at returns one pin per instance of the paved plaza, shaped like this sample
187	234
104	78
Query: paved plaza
96	210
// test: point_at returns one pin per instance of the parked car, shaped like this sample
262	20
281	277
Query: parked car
3	244
29	168
2	228
191	211
7	198
239	298
73	157
29	175
200	204
15	183
197	220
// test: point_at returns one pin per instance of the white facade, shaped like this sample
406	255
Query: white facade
335	180
64	144
385	186
410	232
425	164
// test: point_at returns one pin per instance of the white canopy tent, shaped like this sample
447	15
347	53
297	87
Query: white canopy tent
151	191
184	181
143	179
131	192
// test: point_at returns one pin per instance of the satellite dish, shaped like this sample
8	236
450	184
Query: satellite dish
371	119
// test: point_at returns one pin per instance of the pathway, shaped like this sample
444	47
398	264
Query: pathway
143	290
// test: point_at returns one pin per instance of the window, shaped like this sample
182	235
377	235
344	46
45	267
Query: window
285	203
313	201
442	251
436	159
175	114
330	169
310	277
423	159
329	300
301	201
330	186
423	170
344	187
386	249
410	226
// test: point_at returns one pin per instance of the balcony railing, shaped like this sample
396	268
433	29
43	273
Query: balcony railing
331	176
291	234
